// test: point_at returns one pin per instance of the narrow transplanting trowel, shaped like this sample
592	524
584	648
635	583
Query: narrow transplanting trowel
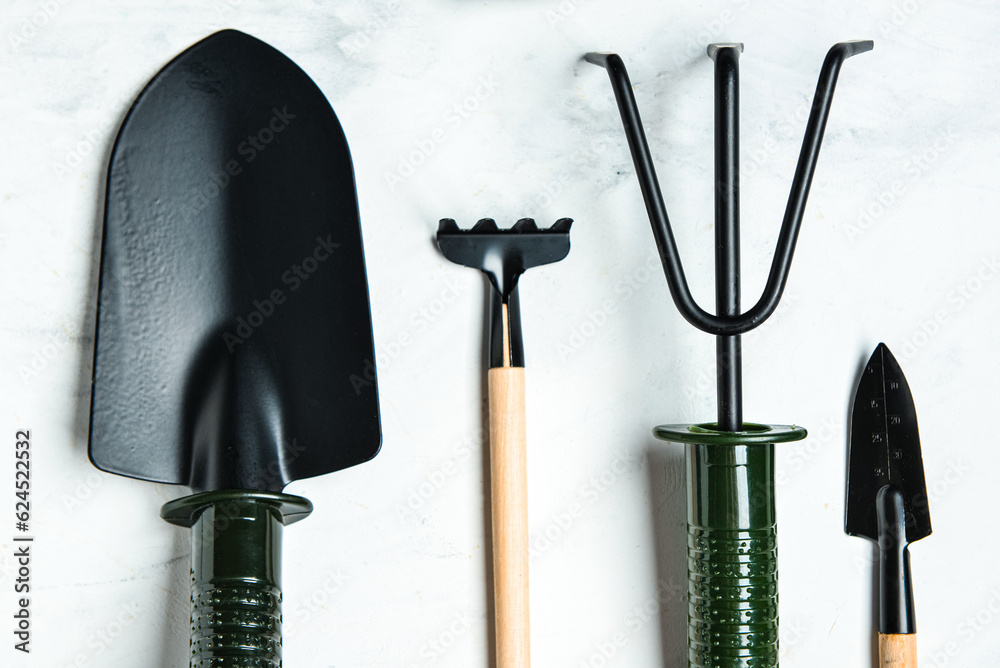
233	316
887	497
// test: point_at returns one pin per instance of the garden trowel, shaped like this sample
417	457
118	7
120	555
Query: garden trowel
887	497
234	345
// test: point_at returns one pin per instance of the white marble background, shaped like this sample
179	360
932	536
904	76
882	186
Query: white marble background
900	244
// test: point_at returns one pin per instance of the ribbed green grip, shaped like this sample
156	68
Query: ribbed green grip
236	574
732	557
732	544
240	622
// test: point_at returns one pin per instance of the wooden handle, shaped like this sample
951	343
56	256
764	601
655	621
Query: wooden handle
509	487
897	650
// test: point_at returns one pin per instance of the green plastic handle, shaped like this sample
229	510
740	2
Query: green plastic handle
732	543
236	574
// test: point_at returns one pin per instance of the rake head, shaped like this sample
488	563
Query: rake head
503	255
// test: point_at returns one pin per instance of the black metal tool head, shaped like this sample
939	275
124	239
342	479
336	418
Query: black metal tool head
503	255
234	342
885	451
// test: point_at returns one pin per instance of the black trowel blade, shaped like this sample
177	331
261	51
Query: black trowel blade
885	450
234	344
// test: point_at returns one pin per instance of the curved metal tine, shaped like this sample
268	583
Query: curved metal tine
804	170
785	247
651	195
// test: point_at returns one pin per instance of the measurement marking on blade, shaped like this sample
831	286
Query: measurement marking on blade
888	462
22	553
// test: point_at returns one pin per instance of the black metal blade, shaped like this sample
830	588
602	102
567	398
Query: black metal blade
885	450
234	346
504	254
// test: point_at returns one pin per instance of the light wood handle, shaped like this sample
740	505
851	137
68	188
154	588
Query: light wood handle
509	492
897	650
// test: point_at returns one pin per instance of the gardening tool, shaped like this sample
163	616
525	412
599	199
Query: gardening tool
887	497
732	557
503	255
234	343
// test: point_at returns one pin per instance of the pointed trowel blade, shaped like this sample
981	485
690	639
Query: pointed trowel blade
885	450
